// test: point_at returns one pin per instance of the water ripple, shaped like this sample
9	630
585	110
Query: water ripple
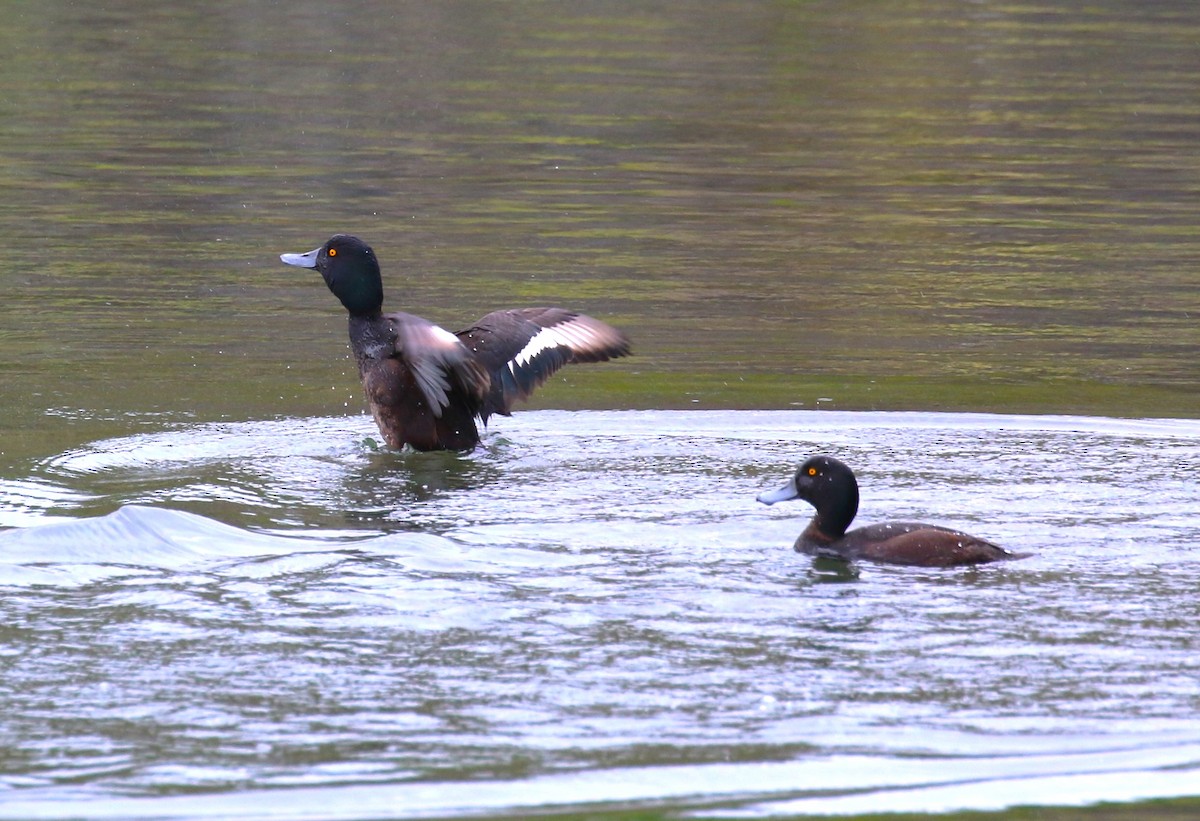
565	614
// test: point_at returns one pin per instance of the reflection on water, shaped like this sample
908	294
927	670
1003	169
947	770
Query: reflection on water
567	619
962	206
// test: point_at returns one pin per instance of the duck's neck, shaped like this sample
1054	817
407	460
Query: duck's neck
819	538
362	303
360	295
371	337
835	512
818	533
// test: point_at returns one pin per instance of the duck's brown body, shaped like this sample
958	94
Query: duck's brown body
911	543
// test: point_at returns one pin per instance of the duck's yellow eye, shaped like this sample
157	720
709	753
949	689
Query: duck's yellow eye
812	471
333	252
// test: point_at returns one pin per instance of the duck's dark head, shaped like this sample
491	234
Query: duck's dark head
349	268
828	485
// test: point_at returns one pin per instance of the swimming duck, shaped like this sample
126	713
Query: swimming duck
426	386
829	486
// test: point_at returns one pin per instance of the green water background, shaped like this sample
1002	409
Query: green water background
922	205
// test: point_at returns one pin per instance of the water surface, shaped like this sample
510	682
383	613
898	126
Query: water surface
220	600
593	609
933	206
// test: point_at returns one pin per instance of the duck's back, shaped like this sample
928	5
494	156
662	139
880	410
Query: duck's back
919	544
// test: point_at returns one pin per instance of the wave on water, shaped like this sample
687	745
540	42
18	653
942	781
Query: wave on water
846	784
137	539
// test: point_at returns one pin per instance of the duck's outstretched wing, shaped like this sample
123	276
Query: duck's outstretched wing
443	368
521	348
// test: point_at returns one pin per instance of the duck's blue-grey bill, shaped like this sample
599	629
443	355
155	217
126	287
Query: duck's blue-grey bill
308	260
784	493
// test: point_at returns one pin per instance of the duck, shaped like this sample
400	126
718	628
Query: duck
829	485
426	386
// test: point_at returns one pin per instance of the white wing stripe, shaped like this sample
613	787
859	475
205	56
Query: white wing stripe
575	335
543	340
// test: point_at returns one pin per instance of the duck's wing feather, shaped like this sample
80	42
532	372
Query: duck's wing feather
442	366
521	348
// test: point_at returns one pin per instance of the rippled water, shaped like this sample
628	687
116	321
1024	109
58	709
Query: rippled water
593	609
